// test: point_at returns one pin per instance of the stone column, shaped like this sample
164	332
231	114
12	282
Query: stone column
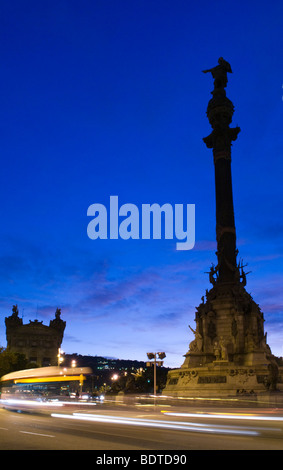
219	112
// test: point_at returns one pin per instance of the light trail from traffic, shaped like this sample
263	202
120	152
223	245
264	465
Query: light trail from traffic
30	403
173	425
113	428
239	416
22	404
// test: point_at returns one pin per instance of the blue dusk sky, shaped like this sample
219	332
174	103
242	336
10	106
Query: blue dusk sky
107	97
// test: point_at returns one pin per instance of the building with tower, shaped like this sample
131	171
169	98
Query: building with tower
229	355
39	343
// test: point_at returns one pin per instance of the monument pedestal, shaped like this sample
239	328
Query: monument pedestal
220	380
229	356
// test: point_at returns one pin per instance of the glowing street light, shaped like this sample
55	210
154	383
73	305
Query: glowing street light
60	357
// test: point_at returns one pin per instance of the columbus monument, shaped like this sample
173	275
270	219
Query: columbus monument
229	355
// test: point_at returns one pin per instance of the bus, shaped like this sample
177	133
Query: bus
43	384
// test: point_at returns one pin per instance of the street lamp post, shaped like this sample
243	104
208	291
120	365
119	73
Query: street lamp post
153	356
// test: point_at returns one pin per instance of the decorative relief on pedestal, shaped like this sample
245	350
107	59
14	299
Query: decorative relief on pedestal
188	377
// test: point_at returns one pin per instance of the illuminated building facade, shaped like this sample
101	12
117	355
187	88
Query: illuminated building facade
39	343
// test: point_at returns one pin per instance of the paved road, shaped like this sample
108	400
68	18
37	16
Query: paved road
117	428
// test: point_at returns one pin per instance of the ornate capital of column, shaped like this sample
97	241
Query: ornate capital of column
220	111
220	140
